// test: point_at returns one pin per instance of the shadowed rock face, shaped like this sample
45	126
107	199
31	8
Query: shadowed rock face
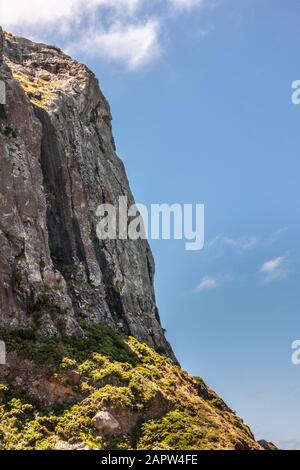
57	164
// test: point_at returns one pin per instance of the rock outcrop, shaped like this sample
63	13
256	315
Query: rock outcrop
88	366
58	163
106	424
267	445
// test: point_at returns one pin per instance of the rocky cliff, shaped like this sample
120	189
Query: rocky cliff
88	365
57	165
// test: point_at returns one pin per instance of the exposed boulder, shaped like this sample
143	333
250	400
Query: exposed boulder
106	424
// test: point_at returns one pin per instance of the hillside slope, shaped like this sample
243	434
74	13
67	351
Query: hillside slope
108	392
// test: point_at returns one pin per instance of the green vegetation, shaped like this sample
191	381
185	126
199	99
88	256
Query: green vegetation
147	392
18	278
44	307
177	431
96	338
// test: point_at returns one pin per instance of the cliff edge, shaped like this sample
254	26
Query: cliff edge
57	165
87	364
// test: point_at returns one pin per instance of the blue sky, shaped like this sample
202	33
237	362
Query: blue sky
201	98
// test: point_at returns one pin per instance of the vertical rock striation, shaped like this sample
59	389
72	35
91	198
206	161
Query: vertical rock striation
57	164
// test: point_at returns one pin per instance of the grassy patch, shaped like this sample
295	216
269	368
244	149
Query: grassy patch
98	339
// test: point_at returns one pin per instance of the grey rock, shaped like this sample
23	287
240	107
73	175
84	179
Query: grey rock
58	163
106	424
267	445
63	445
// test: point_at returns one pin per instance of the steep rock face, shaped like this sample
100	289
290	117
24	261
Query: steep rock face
73	378
57	165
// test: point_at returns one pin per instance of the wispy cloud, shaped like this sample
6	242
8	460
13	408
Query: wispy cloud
212	282
274	269
187	4
204	31
126	31
206	283
111	29
245	243
133	45
41	13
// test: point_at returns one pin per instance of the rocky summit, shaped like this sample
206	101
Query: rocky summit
88	365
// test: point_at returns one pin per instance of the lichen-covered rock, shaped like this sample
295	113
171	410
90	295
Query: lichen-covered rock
57	165
106	424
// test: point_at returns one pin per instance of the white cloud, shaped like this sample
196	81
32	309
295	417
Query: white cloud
210	282
116	30
207	282
40	12
245	243
186	4
275	269
102	28
132	44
